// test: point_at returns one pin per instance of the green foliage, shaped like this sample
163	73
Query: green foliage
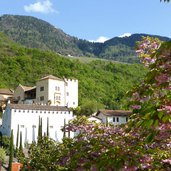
20	154
151	100
11	155
102	81
43	156
2	155
98	147
47	127
17	137
5	143
40	130
89	107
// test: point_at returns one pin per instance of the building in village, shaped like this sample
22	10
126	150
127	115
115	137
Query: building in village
115	117
27	118
5	94
50	99
50	90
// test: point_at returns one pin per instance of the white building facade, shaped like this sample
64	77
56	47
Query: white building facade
115	117
27	118
50	90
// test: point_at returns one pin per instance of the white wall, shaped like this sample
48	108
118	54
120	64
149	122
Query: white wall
118	120
109	119
28	119
71	91
53	93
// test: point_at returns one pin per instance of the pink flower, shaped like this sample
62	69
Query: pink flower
136	107
167	161
162	78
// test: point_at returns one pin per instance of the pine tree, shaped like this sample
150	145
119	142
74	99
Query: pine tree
64	130
11	155
16	149
21	143
47	127
20	154
40	130
69	131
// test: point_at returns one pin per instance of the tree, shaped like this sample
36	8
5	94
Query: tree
47	127
11	155
20	154
2	155
152	99
16	149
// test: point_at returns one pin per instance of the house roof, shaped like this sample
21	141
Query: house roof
26	88
94	117
6	91
38	107
2	98
51	77
114	112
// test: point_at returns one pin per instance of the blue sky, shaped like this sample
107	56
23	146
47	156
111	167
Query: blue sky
92	19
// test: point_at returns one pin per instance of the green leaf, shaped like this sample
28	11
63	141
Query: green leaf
165	118
160	115
150	137
149	123
156	123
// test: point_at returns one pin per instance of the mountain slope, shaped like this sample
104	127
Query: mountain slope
99	81
36	33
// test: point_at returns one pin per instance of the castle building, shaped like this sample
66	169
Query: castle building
50	90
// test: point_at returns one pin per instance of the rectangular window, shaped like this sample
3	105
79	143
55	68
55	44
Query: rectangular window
113	119
51	126
57	88
22	126
67	93
34	126
58	97
41	88
41	98
126	119
117	119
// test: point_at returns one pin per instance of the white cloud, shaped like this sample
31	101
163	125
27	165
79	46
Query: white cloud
101	39
45	7
125	35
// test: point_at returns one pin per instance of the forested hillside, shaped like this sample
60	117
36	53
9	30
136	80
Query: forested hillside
101	82
36	33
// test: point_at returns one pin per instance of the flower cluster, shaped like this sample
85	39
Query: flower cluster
146	48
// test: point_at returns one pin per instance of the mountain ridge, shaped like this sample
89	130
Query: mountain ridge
37	33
